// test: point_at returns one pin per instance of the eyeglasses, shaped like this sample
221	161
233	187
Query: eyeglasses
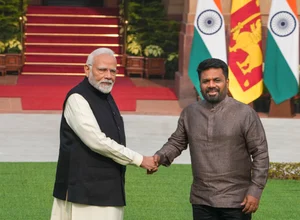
104	70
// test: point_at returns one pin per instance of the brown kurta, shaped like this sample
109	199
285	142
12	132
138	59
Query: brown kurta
222	138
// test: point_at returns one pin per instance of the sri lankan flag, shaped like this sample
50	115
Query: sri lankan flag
245	51
281	73
209	37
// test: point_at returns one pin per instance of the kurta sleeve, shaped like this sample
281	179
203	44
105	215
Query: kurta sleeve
82	121
258	148
175	145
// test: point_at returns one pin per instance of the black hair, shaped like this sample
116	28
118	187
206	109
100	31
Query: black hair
212	63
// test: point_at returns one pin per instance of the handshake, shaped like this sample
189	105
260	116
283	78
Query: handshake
151	163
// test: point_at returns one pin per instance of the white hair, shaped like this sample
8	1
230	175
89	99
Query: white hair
99	51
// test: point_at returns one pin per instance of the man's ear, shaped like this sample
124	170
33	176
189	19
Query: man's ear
87	70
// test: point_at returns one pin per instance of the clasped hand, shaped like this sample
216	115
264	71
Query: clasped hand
151	163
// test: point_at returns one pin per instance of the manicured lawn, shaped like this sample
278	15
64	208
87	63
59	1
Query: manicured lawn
26	193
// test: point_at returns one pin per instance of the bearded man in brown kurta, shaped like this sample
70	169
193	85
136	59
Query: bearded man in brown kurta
228	148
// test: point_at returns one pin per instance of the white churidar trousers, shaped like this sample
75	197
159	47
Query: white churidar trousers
63	210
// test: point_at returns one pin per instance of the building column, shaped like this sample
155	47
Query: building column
184	88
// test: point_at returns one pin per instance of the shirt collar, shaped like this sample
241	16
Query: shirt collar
214	106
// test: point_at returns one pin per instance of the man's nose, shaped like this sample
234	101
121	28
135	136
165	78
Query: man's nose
211	84
108	74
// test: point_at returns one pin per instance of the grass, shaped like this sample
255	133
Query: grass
26	193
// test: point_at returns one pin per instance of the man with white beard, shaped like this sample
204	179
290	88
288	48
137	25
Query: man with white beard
90	173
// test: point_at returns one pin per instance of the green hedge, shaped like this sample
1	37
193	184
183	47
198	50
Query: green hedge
11	11
284	171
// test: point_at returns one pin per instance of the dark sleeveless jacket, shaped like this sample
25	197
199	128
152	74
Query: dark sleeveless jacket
83	176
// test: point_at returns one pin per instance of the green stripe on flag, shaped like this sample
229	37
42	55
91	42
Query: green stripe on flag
199	52
278	76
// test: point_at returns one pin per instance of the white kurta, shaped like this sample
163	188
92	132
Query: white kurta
82	121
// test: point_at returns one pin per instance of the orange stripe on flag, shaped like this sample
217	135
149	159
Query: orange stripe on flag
218	4
293	6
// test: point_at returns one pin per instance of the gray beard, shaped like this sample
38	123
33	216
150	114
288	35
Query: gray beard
98	84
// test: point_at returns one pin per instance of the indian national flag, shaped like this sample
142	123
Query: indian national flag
209	37
245	51
281	74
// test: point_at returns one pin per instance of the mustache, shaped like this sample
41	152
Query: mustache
106	81
212	90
